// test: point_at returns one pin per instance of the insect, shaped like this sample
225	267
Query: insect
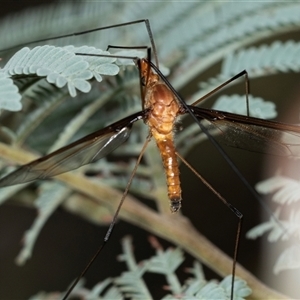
229	125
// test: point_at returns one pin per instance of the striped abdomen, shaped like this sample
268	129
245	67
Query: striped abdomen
163	112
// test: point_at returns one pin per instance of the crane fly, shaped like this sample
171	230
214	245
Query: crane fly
161	107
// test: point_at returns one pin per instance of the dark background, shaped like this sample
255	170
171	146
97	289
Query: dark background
67	242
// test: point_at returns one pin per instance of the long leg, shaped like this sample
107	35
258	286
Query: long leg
111	226
230	207
109	231
188	109
145	21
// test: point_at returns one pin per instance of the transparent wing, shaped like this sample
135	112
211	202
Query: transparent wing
249	133
75	155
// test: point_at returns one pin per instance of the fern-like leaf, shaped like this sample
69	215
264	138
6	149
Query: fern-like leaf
275	228
62	66
36	92
52	195
286	190
131	282
9	96
237	104
288	259
211	290
279	57
207	30
241	289
99	289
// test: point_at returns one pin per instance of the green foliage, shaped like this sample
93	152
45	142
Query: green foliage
51	196
235	104
132	285
279	57
192	37
284	225
60	66
10	98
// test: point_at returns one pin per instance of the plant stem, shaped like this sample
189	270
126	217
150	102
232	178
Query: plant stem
173	227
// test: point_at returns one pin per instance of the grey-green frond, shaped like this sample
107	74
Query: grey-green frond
191	37
104	290
284	226
61	66
9	96
132	283
51	196
259	108
261	61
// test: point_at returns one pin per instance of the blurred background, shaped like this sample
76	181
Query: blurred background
194	40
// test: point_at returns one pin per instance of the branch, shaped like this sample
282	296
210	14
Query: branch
173	227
